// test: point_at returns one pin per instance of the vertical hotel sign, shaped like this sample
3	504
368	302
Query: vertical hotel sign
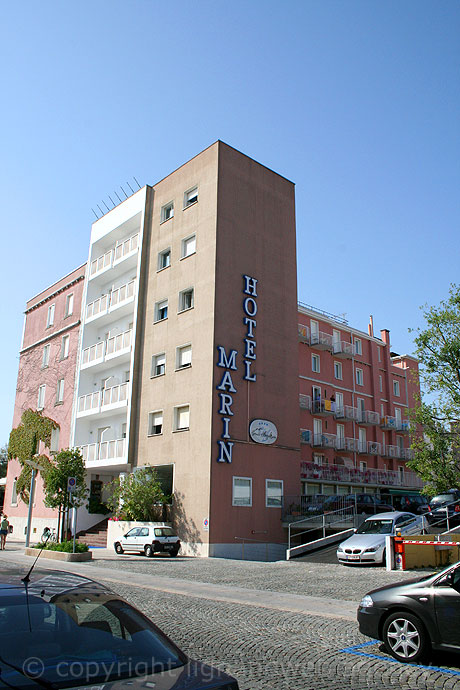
227	361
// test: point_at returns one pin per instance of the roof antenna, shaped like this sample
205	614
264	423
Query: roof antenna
95	213
130	186
123	191
26	579
136	182
118	198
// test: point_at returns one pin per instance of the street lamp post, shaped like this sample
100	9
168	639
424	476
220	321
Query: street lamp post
35	466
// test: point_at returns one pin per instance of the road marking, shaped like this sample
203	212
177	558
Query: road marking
355	650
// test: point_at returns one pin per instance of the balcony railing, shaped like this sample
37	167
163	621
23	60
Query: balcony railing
303	333
107	450
340	443
407	453
305	401
115	394
320	340
346	412
310	470
352	445
93	353
388	422
122	293
126	247
362	447
324	440
118	342
393	451
89	402
368	418
374	448
98	307
403	427
342	349
101	263
323	407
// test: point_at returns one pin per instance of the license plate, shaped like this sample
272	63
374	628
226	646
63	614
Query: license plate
169	547
353	558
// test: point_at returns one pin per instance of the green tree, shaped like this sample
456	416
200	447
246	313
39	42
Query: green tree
23	445
137	496
3	460
67	463
437	451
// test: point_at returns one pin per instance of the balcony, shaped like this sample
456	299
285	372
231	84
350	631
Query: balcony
368	418
303	334
342	349
374	448
121	295
321	341
323	408
402	427
105	453
352	475
393	451
89	404
105	351
114	256
388	422
112	302
324	440
352	445
305	436
340	443
97	308
304	402
346	412
362	447
407	453
103	401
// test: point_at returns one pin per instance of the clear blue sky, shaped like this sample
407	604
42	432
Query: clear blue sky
357	102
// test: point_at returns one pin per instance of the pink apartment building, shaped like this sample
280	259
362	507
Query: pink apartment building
187	351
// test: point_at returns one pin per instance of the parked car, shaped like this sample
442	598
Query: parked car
415	616
412	503
367	545
62	631
443	506
149	540
365	504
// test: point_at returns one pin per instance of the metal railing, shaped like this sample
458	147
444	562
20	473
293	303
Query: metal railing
106	450
346	412
304	401
320	523
126	247
102	262
93	353
321	340
368	417
99	306
122	293
353	475
341	348
115	394
89	402
118	342
303	333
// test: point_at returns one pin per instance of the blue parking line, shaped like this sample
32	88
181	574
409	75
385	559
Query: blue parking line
355	650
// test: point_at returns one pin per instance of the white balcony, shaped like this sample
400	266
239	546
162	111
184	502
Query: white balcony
105	454
374	448
305	401
122	295
368	418
97	308
341	443
101	264
324	440
303	333
407	453
126	248
377	477
323	408
114	397
342	349
89	404
106	350
393	451
362	447
352	445
321	341
388	422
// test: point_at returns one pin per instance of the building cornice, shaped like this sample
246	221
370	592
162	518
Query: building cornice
50	336
56	292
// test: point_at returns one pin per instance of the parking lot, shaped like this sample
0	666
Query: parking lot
272	625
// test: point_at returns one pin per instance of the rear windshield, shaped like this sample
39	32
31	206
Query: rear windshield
376	527
79	639
164	532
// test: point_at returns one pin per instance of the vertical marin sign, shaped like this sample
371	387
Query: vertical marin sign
226	387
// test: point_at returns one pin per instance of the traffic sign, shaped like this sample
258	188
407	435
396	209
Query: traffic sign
71	484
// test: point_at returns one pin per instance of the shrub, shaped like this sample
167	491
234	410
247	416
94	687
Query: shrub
65	546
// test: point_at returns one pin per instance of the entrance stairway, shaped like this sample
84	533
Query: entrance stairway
96	535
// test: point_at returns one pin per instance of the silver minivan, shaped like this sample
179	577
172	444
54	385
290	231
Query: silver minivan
149	539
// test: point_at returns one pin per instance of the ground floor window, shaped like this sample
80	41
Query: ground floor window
273	493
242	491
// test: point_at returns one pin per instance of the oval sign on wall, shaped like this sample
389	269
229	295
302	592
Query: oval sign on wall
263	431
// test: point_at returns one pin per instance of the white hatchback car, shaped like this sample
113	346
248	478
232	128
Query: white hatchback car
367	545
148	540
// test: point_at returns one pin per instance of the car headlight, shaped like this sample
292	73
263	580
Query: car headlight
372	549
366	602
339	549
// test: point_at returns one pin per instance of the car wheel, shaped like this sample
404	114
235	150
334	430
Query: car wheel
404	637
118	548
148	551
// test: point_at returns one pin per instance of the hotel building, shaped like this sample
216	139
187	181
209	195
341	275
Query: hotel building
188	352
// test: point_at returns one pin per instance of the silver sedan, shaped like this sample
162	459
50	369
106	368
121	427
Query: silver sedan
367	545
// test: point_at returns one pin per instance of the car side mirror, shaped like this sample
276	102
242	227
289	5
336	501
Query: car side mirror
452	581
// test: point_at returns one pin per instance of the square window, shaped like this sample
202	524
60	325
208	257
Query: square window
396	388
359	377
358	346
167	211
65	346
50	316
183	356
60	391
164	259
161	310
156	423
190	197
338	370
41	397
188	246
315	363
186	299
68	305
273	493
182	418
46	356
242	491
158	364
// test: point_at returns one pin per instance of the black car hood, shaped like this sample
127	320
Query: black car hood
405	583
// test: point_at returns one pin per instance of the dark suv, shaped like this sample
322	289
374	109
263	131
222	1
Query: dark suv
366	504
444	509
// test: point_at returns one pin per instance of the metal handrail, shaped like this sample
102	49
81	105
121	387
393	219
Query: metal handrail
344	512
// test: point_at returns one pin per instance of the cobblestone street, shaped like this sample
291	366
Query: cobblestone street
259	640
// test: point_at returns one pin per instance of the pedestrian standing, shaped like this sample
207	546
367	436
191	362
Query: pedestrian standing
4	525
